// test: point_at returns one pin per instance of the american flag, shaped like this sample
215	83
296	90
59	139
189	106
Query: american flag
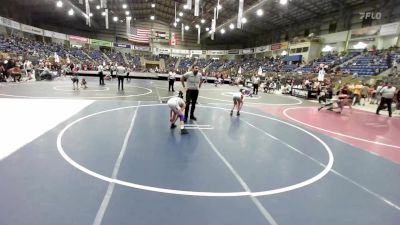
139	35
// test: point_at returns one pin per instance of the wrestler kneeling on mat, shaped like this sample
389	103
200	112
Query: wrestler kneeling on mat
177	106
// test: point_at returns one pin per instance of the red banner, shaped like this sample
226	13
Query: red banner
276	46
78	39
173	40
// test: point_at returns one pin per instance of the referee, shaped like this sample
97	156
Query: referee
121	73
171	80
193	81
387	93
256	83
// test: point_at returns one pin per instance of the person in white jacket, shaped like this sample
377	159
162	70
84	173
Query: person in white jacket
121	73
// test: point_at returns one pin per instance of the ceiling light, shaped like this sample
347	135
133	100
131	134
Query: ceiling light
180	13
186	27
283	2
260	12
153	5
127	13
197	26
244	20
97	6
231	26
115	19
129	17
203	21
219	7
185	7
177	20
360	45
207	29
175	24
124	6
222	31
59	4
327	48
103	13
90	14
71	12
152	17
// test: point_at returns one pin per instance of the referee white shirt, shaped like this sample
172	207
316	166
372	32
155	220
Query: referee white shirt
121	71
171	75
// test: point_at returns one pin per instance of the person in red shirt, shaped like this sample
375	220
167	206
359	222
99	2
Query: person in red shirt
16	73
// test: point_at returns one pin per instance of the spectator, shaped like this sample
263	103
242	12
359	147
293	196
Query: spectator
398	99
358	88
387	98
16	73
2	73
364	94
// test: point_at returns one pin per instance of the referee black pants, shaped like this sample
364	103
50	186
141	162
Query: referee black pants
255	89
191	98
171	85
101	78
381	106
120	82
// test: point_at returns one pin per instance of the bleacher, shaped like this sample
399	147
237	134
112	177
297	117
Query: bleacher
170	63
367	65
20	46
96	55
348	56
214	65
186	63
330	60
135	60
203	63
116	57
78	54
228	64
288	68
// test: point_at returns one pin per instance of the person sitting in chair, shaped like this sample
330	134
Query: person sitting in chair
15	73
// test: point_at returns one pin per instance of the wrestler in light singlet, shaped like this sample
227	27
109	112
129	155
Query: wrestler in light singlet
177	106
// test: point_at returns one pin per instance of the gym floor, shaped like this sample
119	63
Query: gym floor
102	156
